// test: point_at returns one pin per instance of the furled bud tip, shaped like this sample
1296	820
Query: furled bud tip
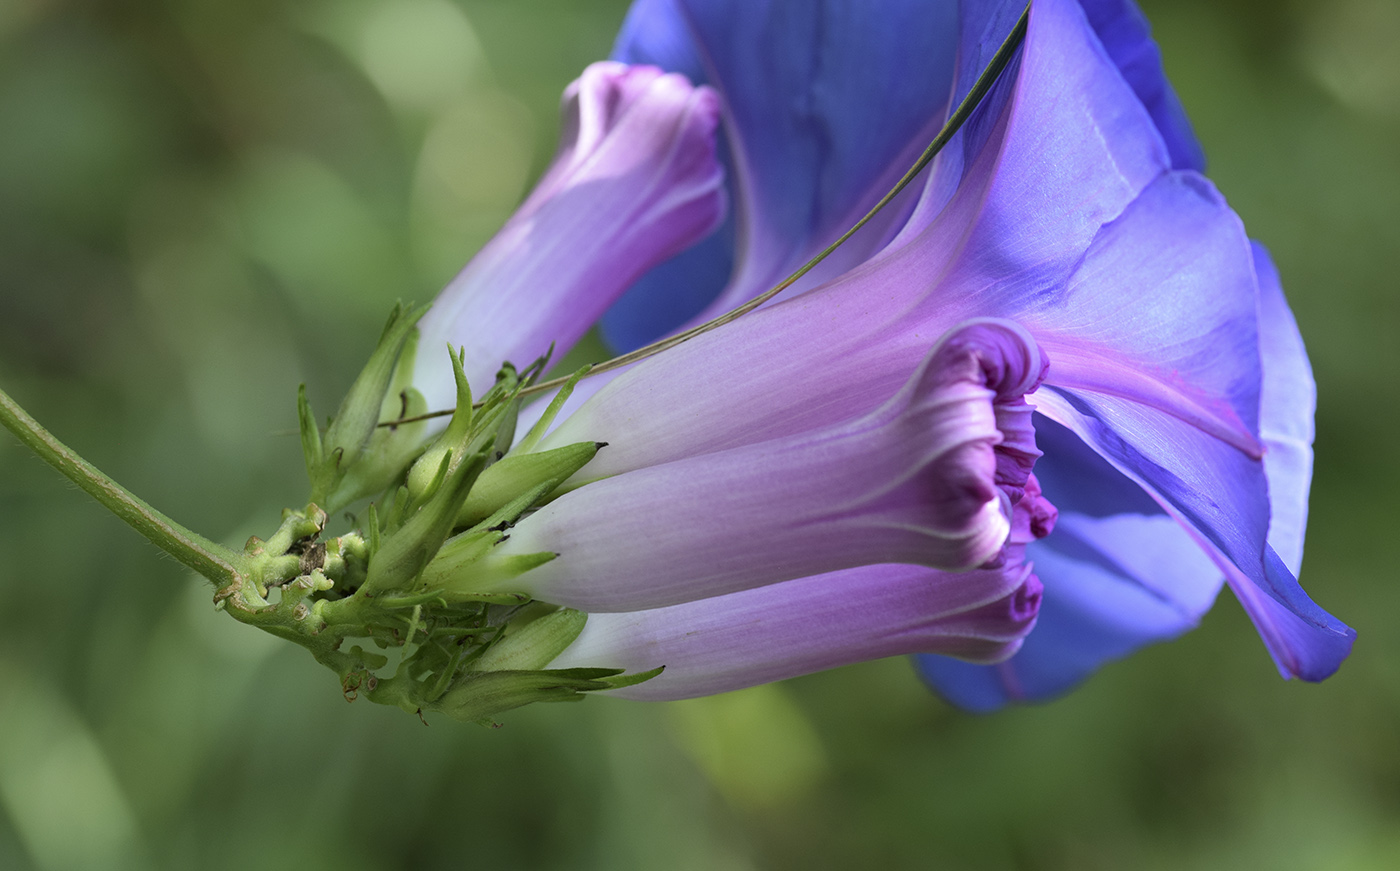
929	478
635	181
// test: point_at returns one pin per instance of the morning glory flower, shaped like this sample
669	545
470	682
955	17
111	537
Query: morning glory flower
1174	415
1025	421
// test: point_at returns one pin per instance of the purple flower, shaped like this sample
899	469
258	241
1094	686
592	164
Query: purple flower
1174	416
635	180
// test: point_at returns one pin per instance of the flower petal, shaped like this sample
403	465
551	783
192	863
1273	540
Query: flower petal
828	103
635	181
1305	641
1285	415
1125	33
810	624
1195	332
1162	313
656	33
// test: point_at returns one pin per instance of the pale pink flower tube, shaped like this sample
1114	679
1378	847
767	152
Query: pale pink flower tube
811	624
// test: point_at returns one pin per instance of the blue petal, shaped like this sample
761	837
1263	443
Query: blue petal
828	103
656	32
983	25
1096	607
1305	641
1065	151
1285	415
823	97
1154	360
1286	426
1124	31
669	295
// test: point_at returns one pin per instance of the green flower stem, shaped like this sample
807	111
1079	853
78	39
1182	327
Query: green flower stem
217	563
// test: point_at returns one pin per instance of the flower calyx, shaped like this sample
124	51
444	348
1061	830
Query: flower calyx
355	457
392	607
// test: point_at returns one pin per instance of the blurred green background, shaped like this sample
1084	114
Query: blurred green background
204	203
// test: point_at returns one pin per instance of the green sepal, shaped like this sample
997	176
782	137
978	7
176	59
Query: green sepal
390	450
466	574
310	434
350	431
465	569
505	434
458	430
404	552
534	645
617	682
476	697
520	472
551	411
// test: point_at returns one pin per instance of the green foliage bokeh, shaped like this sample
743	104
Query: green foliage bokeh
203	204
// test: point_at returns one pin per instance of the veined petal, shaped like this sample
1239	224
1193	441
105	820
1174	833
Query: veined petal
635	181
810	624
1285	415
983	25
1124	32
929	478
1304	640
827	104
1162	312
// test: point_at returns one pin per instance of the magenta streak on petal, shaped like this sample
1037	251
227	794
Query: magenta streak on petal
1109	372
634	182
928	478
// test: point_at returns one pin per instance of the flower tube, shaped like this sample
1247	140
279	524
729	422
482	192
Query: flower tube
810	624
928	478
635	180
802	626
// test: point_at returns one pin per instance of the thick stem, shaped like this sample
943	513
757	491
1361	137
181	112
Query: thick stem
215	562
